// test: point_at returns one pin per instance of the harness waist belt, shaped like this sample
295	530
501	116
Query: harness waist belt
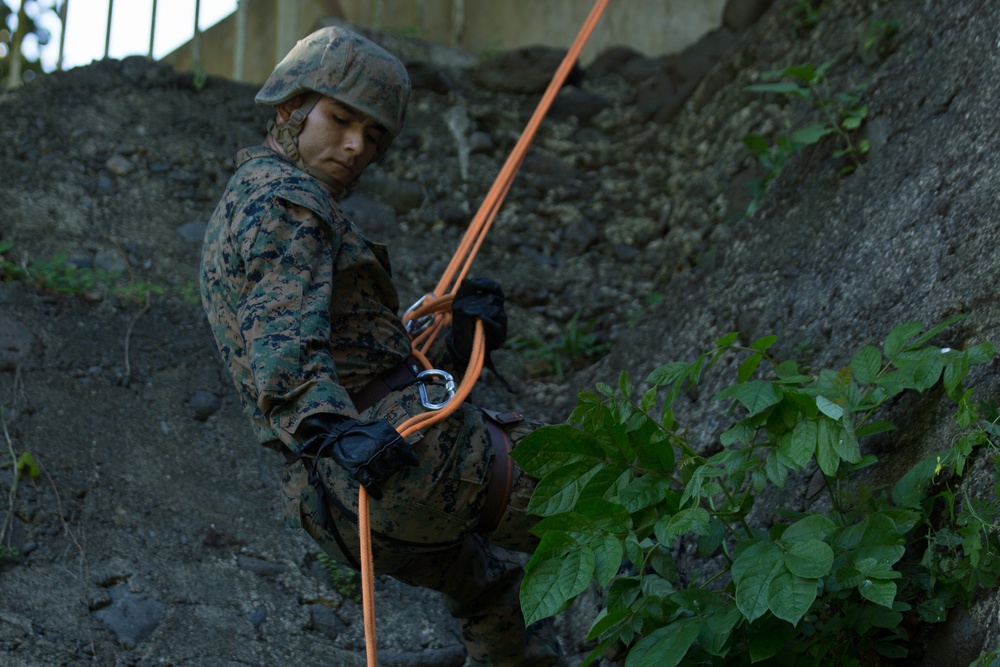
502	478
385	383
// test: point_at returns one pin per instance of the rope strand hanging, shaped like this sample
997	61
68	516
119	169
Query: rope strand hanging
437	305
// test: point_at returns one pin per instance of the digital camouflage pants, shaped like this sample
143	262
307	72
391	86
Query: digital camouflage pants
424	529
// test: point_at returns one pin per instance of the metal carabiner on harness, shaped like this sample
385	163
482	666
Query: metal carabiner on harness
432	376
416	326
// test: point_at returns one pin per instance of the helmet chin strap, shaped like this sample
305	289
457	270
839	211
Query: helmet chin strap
287	134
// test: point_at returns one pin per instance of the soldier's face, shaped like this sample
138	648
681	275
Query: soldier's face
338	140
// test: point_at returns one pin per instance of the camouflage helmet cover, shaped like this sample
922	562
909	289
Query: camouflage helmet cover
338	63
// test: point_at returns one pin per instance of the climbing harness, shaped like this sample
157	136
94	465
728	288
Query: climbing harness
431	313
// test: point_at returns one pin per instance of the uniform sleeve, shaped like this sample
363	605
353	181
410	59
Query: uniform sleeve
285	320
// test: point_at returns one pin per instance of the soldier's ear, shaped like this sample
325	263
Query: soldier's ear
285	109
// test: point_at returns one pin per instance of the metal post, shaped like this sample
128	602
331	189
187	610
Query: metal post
196	40
107	33
152	31
459	23
239	52
63	11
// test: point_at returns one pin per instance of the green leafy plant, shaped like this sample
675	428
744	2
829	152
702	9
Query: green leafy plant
60	276
692	575
345	581
841	114
25	467
879	36
806	13
573	348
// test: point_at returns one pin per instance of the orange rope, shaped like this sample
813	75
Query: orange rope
438	305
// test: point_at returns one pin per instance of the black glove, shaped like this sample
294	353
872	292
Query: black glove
369	451
482	299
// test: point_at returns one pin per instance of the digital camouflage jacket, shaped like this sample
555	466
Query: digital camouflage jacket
302	307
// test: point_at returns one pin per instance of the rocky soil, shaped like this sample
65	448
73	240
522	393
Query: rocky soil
152	533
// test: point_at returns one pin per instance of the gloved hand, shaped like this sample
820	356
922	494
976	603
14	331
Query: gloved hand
477	298
369	451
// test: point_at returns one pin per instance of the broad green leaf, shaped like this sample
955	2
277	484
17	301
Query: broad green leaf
904	519
799	446
665	646
623	592
552	584
648	400
692	520
633	550
776	470
897	339
762	344
873	428
551	447
625	384
954	373
607	620
789	596
663	564
717	629
811	134
742	431
926	373
846	443
608	554
578	526
554	544
938	328
981	353
755	396
829	408
656	585
607	483
911	488
727	339
878	591
812	559
812	527
747	367
753	571
697	601
827	434
654	452
877	561
667	373
866	363
853	122
643	492
558	491
605	514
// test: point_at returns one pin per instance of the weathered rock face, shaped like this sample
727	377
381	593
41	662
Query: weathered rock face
156	499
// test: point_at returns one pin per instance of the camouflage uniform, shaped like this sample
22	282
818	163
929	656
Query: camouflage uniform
304	312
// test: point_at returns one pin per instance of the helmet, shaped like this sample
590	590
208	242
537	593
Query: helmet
349	68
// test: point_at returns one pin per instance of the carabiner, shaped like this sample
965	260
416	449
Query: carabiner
431	376
416	326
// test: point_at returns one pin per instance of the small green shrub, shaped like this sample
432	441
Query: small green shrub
344	580
60	276
691	577
572	349
805	14
841	114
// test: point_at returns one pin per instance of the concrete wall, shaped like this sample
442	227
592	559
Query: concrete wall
652	27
